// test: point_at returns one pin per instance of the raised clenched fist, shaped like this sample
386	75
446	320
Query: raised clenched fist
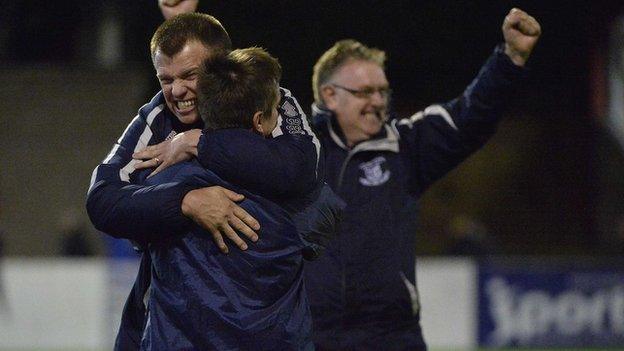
521	32
170	8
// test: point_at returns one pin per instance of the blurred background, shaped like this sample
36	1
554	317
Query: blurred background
549	184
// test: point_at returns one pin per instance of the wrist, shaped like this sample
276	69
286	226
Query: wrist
518	58
186	206
191	140
186	143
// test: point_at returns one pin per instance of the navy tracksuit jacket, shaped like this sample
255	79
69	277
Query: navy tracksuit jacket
362	290
202	299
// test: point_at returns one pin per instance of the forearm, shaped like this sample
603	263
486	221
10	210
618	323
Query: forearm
269	167
481	105
130	211
139	213
442	136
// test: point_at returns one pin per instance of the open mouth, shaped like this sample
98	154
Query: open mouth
186	105
374	115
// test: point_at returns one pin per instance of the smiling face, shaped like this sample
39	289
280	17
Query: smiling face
360	116
178	79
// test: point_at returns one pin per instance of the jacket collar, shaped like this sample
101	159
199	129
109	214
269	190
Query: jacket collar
386	140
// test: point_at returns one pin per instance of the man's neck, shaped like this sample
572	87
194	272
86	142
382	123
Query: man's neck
351	138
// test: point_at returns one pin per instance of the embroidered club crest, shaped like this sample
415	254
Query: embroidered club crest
289	110
374	175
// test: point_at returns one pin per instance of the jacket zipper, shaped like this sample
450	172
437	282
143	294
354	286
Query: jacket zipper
343	169
343	266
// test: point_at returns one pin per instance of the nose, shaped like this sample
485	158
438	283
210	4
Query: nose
378	99
178	89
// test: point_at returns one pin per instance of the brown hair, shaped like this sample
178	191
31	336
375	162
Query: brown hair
232	88
342	51
174	33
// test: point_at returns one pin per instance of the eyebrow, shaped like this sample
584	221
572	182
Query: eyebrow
375	86
184	74
188	72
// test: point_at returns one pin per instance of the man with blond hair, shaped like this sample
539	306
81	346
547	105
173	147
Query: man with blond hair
363	292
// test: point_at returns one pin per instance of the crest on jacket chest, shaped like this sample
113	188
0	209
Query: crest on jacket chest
374	174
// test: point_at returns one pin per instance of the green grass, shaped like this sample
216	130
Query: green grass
529	349
431	349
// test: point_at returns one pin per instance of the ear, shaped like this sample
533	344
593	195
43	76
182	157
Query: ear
257	122
328	93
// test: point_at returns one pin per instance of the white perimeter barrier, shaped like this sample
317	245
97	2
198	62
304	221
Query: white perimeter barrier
448	295
68	304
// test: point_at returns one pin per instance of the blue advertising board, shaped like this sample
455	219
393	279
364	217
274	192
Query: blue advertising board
540	304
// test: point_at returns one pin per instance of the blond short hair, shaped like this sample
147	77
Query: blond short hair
342	51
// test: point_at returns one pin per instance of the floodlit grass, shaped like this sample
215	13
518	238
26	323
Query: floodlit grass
430	349
529	349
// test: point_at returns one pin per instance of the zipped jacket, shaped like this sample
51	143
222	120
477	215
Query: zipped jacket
363	290
202	299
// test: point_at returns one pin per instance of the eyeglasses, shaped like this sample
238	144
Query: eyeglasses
366	93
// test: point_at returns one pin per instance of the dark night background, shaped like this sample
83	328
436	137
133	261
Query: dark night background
548	183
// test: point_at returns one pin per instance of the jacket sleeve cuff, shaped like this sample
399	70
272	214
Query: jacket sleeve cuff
505	65
172	209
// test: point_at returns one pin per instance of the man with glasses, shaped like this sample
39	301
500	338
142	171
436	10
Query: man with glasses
363	292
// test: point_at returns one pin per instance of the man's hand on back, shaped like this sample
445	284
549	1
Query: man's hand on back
215	209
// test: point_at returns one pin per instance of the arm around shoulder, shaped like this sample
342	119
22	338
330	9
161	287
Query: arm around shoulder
284	165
